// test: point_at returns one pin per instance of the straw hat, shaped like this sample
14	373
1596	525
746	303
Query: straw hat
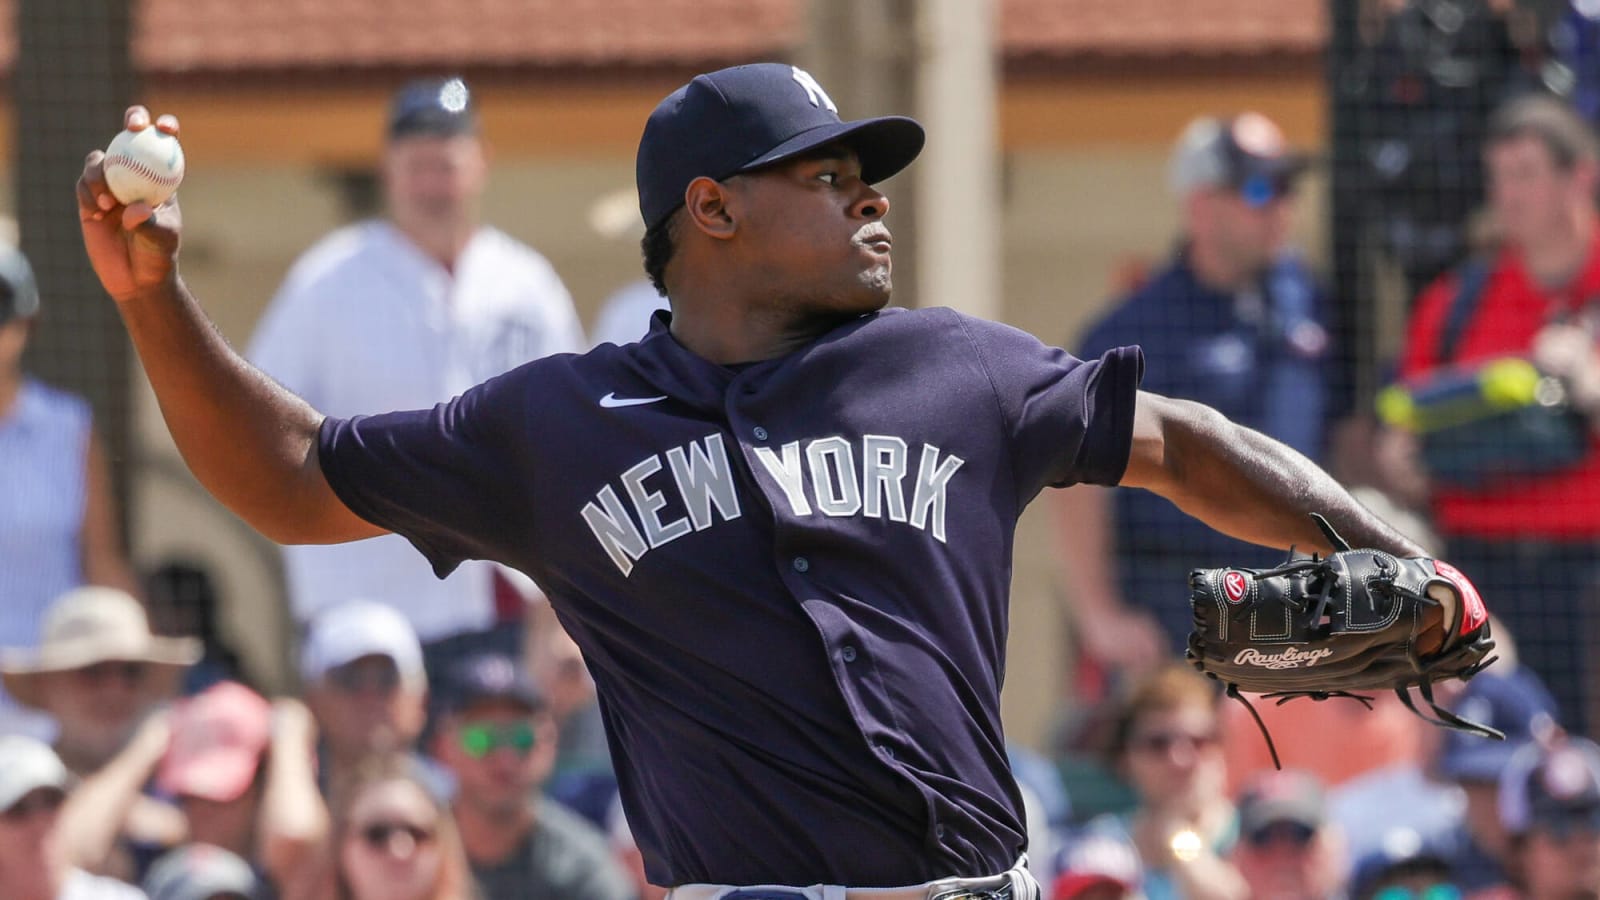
92	625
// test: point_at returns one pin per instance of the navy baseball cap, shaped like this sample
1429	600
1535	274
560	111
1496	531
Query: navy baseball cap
437	106
742	118
1515	703
1555	786
491	676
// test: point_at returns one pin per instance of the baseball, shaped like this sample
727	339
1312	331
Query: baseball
143	165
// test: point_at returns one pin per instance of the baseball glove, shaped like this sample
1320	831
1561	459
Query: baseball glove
1321	627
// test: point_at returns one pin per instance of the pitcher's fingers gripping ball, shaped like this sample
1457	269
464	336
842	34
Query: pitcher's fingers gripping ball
1358	620
144	165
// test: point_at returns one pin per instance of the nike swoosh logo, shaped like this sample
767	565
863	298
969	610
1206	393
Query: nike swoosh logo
612	401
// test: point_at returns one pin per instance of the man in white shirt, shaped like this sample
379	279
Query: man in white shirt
33	863
405	312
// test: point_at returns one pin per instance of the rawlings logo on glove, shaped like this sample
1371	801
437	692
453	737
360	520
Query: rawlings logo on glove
1288	659
1321	627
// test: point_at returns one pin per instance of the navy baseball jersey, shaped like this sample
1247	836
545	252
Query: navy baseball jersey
789	578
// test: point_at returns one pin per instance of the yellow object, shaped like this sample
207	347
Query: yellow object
1396	408
1508	383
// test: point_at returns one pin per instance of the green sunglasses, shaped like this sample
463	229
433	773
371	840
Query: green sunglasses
481	740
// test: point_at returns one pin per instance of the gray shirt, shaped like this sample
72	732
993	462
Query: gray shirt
562	857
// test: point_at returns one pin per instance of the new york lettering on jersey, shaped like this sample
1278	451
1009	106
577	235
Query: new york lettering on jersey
822	477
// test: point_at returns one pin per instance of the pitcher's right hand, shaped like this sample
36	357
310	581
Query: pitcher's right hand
133	248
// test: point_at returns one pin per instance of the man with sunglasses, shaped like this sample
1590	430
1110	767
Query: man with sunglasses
361	665
498	740
33	863
1233	320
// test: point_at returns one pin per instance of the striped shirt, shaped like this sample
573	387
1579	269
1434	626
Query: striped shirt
44	445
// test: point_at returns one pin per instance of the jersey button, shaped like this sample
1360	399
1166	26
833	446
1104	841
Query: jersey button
760	433
938	832
886	750
848	654
801	564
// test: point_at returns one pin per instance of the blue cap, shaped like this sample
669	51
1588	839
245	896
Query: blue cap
491	676
1514	702
436	106
742	118
1550	784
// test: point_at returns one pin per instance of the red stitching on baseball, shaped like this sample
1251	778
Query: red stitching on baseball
142	169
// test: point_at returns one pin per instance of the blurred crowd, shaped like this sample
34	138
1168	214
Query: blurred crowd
445	741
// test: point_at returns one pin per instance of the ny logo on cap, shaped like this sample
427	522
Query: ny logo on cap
814	92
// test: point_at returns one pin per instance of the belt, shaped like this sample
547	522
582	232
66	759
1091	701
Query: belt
1015	884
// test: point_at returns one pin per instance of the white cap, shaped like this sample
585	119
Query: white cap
360	628
26	765
1246	152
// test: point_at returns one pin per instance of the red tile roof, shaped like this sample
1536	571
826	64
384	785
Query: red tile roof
229	35
1042	29
240	36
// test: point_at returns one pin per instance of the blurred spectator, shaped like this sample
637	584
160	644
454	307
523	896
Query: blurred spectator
583	779
97	670
499	742
1407	795
402	313
1402	867
1166	744
1550	806
1234	321
1529	541
241	771
202	872
364	681
394	839
1093	867
58	522
212	769
181	598
33	863
1513	701
1288	848
1426	85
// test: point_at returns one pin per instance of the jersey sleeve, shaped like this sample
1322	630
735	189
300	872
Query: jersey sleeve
1069	420
448	478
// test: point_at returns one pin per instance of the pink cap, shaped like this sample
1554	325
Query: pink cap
217	740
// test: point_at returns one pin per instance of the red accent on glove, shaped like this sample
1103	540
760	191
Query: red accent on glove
1475	613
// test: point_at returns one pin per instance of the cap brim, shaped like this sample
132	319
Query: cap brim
1272	813
1477	764
221	775
885	145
